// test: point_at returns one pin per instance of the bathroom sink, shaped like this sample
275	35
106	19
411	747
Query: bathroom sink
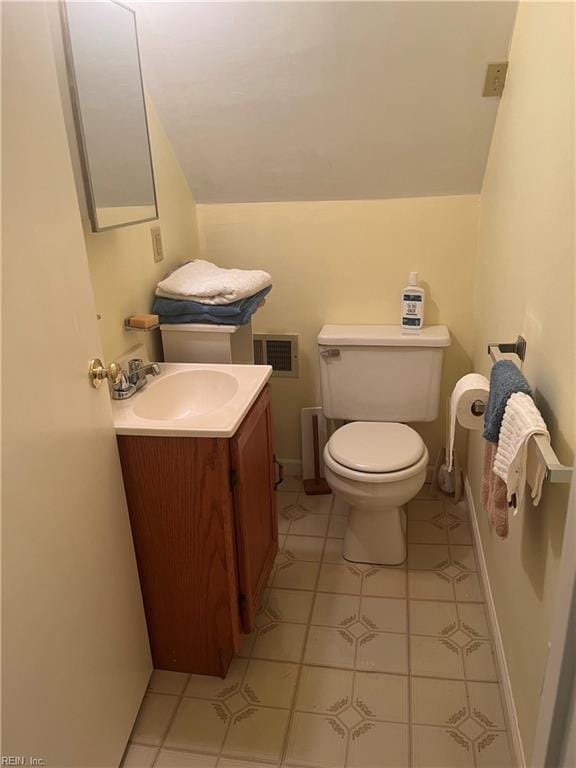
187	393
191	399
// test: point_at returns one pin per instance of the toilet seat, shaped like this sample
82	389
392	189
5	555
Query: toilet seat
375	452
372	446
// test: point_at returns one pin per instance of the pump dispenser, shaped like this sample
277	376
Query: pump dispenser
412	317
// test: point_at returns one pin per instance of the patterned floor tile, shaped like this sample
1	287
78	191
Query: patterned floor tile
324	690
316	741
335	610
164	681
330	647
424	509
337	527
493	751
472	618
459	511
296	574
286	501
440	748
426	532
139	756
384	614
291	484
463	558
199	726
232	762
382	652
270	683
438	702
319	505
280	642
486	705
333	552
435	657
381	696
155	714
430	585
329	677
460	534
430	617
285	605
308	524
257	733
467	588
424	492
384	582
208	687
428	557
367	741
171	758
303	548
247	643
479	661
283	523
340	578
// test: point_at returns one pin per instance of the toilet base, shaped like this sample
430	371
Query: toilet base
376	536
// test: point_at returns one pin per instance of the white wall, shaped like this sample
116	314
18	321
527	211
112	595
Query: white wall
287	101
524	283
347	262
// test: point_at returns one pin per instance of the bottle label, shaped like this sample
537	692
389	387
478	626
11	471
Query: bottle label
412	297
412	322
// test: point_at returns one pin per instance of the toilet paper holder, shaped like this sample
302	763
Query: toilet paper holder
478	407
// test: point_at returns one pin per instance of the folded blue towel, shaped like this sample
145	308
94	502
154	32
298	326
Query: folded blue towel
173	311
505	379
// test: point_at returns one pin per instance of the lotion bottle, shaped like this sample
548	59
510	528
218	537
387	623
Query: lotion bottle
412	317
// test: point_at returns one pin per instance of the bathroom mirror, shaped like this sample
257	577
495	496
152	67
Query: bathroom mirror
103	63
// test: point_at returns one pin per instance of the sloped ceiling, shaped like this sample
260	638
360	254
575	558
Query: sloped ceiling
276	101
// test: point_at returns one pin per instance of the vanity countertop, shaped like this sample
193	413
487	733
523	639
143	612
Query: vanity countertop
191	400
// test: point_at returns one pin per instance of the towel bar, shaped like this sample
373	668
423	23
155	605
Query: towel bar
555	471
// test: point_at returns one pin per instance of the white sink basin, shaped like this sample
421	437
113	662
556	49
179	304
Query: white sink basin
194	400
188	393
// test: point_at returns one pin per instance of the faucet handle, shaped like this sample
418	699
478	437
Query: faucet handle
135	364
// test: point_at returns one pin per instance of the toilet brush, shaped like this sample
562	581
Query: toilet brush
447	484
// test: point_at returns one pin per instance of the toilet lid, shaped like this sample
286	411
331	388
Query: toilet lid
371	446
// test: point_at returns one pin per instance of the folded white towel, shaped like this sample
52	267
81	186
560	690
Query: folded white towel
522	420
203	281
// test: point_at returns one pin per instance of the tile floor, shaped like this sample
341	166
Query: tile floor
349	665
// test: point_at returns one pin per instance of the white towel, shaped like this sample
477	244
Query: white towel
521	421
203	281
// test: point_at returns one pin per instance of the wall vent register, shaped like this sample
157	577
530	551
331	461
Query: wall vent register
279	351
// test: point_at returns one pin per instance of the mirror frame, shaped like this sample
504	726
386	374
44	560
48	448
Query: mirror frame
78	123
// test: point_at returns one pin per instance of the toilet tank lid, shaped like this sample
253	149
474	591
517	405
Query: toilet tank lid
383	336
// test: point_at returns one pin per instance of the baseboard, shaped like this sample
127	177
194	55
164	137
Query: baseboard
292	467
509	704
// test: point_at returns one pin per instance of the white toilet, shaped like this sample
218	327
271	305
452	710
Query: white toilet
376	377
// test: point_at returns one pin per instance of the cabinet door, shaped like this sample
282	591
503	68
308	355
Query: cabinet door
255	505
183	527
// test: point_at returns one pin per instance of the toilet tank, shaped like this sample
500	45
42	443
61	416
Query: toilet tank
380	372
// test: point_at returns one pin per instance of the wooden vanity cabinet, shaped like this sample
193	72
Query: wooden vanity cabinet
203	518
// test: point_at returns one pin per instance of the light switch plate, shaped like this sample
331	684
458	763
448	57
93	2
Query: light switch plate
157	243
495	79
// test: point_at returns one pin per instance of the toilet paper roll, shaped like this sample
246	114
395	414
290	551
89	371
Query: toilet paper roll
468	389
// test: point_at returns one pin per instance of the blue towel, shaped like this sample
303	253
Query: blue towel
173	311
505	379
